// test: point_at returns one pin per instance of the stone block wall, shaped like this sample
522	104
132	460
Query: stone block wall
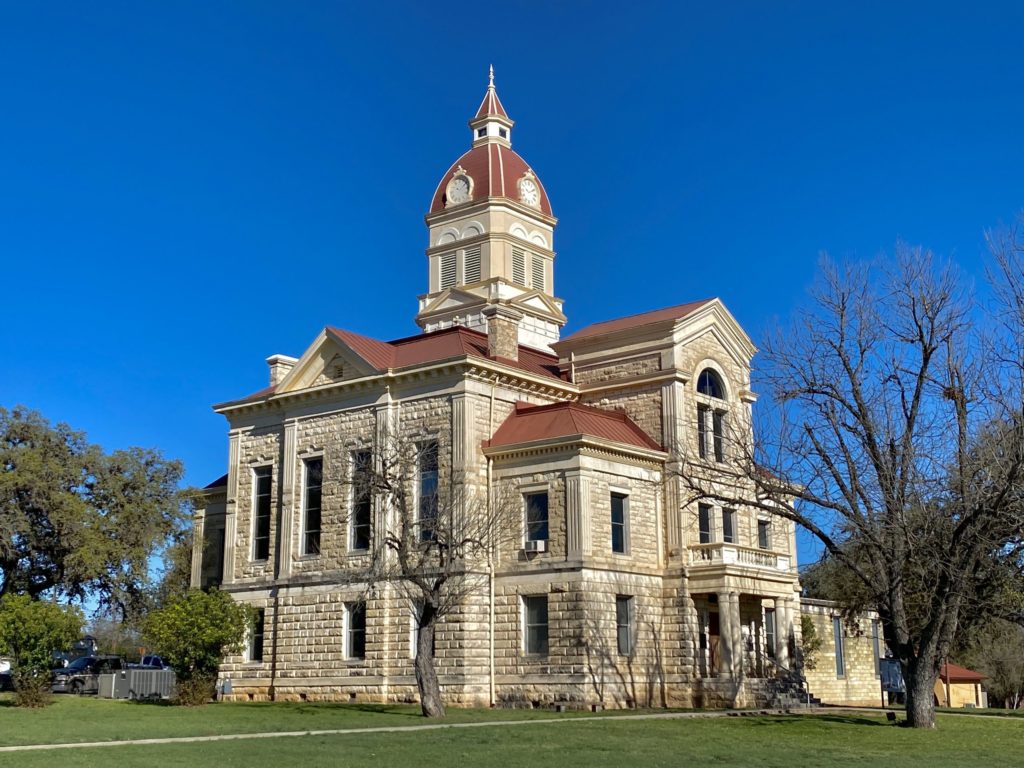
858	684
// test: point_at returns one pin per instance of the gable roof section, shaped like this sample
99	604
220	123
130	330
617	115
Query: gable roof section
677	312
531	423
421	349
956	674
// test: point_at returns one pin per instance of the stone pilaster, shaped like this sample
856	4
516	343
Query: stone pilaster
198	537
577	514
231	510
289	501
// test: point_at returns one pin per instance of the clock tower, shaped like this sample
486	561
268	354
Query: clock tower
491	248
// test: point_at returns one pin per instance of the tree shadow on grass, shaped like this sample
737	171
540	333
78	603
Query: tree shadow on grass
836	718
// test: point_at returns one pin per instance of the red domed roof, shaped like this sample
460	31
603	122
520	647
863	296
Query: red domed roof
495	170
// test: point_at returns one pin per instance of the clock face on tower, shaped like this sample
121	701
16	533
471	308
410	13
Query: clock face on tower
458	190
529	193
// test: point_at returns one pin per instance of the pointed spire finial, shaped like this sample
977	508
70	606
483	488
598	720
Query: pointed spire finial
491	77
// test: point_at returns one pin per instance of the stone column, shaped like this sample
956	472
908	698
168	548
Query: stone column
726	648
288	502
782	630
736	626
231	509
674	433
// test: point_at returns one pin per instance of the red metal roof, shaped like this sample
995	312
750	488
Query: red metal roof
491	105
959	674
635	321
427	348
529	423
495	170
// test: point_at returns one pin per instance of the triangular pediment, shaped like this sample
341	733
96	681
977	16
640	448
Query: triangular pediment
452	298
328	360
536	300
713	319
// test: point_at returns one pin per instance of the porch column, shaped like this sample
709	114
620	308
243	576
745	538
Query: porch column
198	533
736	631
783	626
730	633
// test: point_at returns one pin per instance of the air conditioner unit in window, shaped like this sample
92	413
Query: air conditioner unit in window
535	546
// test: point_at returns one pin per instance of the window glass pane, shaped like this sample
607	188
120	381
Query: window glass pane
362	498
764	534
536	623
261	534
702	431
710	384
729	526
624	624
428	491
537	516
719	428
769	632
704	521
357	631
256	639
837	632
618	523
311	505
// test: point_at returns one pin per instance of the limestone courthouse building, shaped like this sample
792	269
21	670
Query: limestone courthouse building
617	587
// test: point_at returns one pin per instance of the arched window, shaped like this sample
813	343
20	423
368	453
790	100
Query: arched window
710	383
711	416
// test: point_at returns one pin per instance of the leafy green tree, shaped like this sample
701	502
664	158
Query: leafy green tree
76	522
30	630
996	648
193	634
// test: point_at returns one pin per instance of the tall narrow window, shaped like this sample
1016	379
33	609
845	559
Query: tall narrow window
620	504
518	266
624	624
837	633
536	516
261	510
535	624
362	499
764	534
355	636
718	426
428	491
703	419
704	523
711	421
471	265
876	646
255	650
537	269
447	270
312	482
729	526
769	632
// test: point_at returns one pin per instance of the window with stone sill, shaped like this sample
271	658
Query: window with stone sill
837	634
312	495
620	511
262	480
624	624
362	500
355	631
535	625
426	491
729	526
536	505
764	534
254	648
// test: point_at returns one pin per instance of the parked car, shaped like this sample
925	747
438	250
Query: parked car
150	662
83	675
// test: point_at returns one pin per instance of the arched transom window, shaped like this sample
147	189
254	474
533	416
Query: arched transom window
712	410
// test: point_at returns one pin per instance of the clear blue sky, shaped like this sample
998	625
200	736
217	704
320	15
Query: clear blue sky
187	188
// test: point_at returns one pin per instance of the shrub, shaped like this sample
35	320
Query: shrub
30	630
193	634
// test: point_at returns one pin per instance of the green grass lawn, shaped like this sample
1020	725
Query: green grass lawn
827	739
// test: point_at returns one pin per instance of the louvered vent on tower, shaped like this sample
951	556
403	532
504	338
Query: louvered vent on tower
471	267
518	266
447	270
537	266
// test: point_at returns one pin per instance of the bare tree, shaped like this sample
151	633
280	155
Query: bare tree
434	537
897	440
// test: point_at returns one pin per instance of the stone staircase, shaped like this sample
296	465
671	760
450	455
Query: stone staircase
784	693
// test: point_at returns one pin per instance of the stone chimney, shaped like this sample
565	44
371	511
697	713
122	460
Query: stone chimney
280	365
502	331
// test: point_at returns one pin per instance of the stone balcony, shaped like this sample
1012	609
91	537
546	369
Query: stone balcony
719	554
